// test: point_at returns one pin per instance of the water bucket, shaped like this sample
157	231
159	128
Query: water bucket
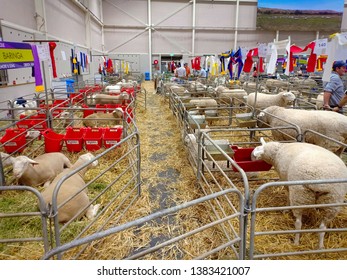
53	141
14	140
74	139
93	138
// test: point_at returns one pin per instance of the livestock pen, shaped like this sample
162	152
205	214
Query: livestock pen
186	213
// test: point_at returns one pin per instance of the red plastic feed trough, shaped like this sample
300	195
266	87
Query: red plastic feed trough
242	156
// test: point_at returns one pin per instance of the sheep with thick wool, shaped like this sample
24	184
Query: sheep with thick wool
265	100
73	192
40	170
303	161
104	119
328	123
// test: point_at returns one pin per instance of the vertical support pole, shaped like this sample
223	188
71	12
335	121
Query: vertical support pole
236	23
150	39
193	27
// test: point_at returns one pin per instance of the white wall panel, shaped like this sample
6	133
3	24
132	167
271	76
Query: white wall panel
119	37
163	10
171	41
20	12
96	36
66	20
125	13
215	15
213	43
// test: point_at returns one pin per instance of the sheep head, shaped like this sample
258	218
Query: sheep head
6	159
21	164
258	151
288	97
88	157
118	113
190	138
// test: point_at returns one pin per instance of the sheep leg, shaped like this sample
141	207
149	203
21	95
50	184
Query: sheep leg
298	225
92	210
321	235
46	184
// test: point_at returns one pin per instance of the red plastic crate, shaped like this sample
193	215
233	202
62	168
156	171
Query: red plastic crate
93	138
242	156
76	97
14	140
53	141
24	123
39	121
87	111
74	139
112	136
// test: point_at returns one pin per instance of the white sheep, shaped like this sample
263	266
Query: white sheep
275	83
40	170
265	100
6	159
320	101
251	86
204	102
111	99
197	86
303	161
100	98
104	119
70	189
328	123
113	88
227	95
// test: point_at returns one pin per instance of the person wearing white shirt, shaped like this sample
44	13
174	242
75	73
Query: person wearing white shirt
181	72
203	73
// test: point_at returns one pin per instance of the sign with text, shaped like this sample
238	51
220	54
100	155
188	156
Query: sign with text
15	55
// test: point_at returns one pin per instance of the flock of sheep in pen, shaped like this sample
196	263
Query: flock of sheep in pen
47	169
294	156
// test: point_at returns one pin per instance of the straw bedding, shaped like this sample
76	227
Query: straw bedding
167	180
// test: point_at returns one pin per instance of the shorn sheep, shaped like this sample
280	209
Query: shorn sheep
204	103
72	189
102	99
40	170
328	123
226	95
303	161
264	100
104	119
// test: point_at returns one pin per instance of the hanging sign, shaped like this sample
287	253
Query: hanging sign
15	55
43	52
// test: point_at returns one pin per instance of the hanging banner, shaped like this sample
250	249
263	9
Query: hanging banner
15	55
